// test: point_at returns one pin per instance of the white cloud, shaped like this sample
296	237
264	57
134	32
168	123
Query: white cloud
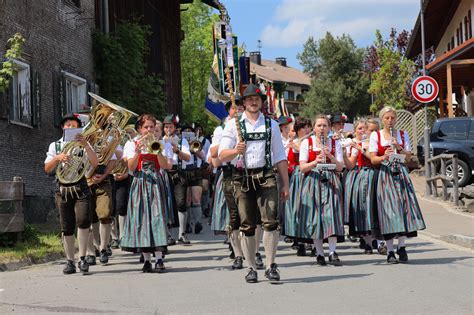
295	20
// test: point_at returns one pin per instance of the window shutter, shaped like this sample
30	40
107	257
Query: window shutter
35	98
4	103
59	97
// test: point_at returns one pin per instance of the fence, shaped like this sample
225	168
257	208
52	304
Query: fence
414	125
11	206
433	164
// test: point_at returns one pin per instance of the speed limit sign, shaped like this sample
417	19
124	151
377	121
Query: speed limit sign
424	89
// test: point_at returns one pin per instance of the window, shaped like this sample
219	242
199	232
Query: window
21	94
460	33
454	130
289	95
449	46
76	92
469	24
458	41
452	42
471	131
466	32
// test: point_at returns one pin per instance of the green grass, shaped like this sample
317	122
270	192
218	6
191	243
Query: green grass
34	250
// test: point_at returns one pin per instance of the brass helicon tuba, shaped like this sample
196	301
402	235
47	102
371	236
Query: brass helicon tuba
103	132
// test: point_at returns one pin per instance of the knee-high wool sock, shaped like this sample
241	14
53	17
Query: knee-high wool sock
236	243
96	234
318	244
258	237
248	247
332	240
182	223
104	232
121	225
68	243
270	242
83	239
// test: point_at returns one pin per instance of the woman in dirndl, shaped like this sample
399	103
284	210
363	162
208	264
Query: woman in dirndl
301	127
145	227
320	213
359	197
399	214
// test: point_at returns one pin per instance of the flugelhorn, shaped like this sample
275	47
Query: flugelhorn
195	145
150	144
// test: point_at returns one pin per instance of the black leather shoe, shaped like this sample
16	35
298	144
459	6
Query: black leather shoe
171	241
321	261
362	243
70	268
147	267
104	257
259	261
272	273
391	259
252	276
160	266
232	254
91	260
313	252
294	245
382	249
189	229
402	254
374	243
109	251
238	263
97	252
183	239
115	244
142	259
197	228
334	259
368	250
301	250
83	265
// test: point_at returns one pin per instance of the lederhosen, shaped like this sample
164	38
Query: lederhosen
73	203
257	183
178	179
193	173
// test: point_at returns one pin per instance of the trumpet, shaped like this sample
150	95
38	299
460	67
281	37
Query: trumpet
151	144
299	140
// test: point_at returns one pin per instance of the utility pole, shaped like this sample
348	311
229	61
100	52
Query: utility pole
426	147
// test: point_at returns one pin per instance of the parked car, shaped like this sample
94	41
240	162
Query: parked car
453	135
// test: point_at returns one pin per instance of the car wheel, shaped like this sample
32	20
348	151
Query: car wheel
464	173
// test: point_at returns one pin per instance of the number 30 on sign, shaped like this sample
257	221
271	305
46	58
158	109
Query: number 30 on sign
424	89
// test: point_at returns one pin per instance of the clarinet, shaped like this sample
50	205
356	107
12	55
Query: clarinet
324	175
394	166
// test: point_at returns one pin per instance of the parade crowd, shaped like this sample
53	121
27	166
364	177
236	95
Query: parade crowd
258	179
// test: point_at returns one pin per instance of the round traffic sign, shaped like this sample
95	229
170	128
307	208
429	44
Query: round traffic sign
424	89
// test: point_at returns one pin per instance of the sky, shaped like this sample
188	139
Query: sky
283	26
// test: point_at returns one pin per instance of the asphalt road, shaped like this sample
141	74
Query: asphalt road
438	279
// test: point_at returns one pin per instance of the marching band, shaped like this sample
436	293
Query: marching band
269	178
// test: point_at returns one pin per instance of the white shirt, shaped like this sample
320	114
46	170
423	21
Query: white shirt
285	145
255	153
217	136
52	150
304	149
373	144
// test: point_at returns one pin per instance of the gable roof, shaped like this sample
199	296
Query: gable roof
273	72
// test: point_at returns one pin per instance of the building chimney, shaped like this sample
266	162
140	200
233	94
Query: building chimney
255	57
281	61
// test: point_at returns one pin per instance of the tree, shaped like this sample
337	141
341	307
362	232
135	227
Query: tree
197	52
338	83
390	71
121	69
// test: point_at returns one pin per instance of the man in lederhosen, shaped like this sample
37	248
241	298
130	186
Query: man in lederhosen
181	155
255	186
72	200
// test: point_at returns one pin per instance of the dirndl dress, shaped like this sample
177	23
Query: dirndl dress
398	210
220	211
145	227
319	213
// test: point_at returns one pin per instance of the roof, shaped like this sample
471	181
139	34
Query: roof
437	15
463	51
273	72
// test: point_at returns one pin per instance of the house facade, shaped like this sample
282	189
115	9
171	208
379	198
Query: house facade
289	81
449	30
